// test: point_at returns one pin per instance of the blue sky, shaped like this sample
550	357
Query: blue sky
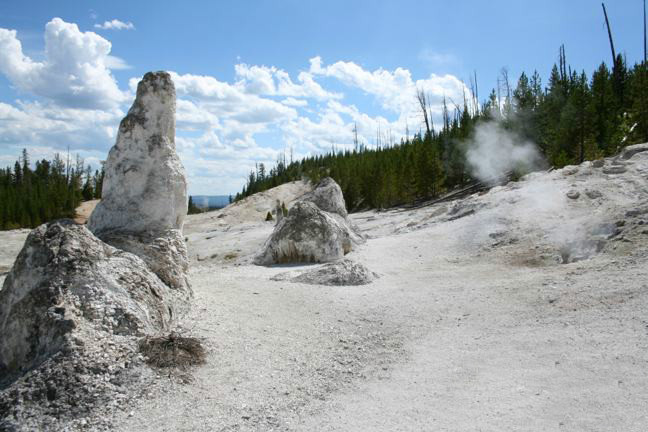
257	77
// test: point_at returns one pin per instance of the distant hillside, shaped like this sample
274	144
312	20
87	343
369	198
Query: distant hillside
210	201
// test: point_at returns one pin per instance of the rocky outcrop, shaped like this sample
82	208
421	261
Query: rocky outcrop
144	196
77	299
310	233
165	254
316	230
144	187
327	195
343	272
306	235
67	284
629	151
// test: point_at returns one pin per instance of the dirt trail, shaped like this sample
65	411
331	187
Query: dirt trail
84	211
460	332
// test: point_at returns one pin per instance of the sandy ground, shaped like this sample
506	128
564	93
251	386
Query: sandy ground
12	242
475	323
84	211
235	232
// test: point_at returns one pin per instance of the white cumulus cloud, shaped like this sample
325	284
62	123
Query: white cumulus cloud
75	72
223	127
271	81
115	25
395	90
33	124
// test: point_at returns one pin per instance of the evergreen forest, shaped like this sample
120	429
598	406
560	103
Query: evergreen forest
572	118
50	190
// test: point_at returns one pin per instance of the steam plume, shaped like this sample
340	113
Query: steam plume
493	152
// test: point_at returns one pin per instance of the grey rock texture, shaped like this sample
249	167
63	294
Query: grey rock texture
599	163
327	195
316	230
632	150
593	193
165	254
279	212
573	194
145	187
67	285
306	235
343	272
77	299
614	169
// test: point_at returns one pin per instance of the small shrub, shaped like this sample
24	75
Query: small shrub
269	217
172	350
230	256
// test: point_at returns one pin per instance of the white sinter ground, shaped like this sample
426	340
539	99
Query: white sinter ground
475	322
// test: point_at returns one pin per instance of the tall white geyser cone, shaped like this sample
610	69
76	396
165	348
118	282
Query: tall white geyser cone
144	196
144	187
76	302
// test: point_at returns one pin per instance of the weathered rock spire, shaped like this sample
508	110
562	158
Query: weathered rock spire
144	188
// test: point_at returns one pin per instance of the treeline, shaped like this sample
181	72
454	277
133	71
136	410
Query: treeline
572	118
51	190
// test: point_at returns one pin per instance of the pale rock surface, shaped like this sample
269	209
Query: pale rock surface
65	284
317	229
279	212
145	187
630	151
165	254
344	272
144	196
209	235
74	304
307	234
327	195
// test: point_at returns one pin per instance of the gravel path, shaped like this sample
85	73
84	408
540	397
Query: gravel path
452	336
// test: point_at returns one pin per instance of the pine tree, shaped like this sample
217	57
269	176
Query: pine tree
638	112
192	208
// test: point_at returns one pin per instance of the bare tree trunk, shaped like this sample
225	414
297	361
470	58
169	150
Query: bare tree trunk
645	32
607	23
420	95
476	93
355	136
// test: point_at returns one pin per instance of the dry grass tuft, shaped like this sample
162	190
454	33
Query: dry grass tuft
172	351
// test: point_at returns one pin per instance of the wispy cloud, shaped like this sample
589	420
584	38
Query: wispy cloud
115	25
116	63
435	59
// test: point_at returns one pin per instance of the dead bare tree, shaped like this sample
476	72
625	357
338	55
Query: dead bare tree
645	31
506	87
423	103
607	23
355	136
476	93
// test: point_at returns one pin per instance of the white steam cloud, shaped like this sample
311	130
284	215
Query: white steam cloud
493	152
